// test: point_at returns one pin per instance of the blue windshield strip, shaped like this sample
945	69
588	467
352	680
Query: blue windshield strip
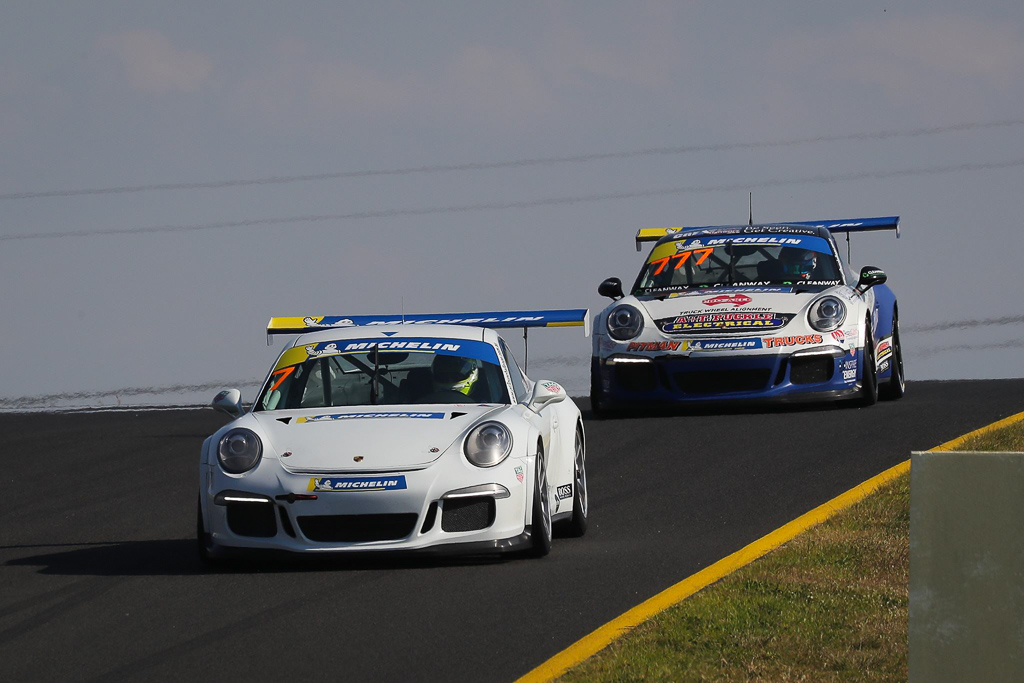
465	348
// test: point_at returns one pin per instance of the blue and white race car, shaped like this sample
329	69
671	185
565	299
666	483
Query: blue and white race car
387	433
748	312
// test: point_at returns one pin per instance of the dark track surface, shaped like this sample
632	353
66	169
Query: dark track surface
100	578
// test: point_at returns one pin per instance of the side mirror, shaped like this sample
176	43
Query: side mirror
869	277
228	401
544	392
611	288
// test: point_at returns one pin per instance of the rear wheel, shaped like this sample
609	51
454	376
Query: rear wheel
540	532
869	381
577	524
897	385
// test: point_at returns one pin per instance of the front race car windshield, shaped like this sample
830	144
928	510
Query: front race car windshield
747	260
395	371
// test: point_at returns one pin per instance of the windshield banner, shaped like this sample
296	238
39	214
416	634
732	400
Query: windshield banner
464	348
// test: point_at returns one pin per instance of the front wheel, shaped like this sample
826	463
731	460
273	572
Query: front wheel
598	406
540	533
897	384
577	524
204	544
869	381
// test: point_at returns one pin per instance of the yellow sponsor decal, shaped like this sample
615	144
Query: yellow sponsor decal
292	356
294	323
654	234
663	250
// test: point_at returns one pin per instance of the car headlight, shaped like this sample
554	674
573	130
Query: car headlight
239	450
625	322
826	314
488	444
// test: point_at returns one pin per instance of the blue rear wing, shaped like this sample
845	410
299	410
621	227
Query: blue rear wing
846	225
569	317
856	224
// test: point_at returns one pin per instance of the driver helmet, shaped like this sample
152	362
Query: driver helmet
454	373
800	263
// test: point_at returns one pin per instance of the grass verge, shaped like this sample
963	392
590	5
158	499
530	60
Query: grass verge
830	604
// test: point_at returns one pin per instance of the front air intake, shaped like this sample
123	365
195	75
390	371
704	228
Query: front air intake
467	514
357	528
811	369
252	519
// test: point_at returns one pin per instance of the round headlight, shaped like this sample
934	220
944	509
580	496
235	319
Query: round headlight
239	450
625	322
488	444
826	314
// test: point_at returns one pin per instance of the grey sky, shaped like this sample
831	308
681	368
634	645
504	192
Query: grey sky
115	94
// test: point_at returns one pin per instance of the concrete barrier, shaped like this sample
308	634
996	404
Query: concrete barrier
966	566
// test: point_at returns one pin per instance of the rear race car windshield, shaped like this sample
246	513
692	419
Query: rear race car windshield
752	260
397	371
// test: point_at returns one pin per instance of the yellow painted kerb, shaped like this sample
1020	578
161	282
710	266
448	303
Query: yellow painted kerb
596	641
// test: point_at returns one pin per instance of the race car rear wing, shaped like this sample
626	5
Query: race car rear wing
567	317
834	226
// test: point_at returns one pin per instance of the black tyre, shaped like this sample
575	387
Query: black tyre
540	530
897	384
598	403
577	524
869	382
204	544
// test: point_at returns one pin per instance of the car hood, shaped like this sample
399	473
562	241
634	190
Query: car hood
367	438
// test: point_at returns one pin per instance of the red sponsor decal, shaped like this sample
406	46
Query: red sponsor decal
552	387
735	300
770	342
653	346
884	346
839	336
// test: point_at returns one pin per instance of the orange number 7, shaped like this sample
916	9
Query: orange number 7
682	256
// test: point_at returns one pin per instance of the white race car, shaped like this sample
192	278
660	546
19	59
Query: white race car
752	313
396	433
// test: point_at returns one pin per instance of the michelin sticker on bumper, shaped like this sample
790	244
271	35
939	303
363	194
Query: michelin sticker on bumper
346	484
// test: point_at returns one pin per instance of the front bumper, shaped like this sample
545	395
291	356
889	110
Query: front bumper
830	374
447	507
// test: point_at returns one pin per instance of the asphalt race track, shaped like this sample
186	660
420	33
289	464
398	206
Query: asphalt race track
100	579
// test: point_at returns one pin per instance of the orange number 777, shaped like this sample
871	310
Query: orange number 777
681	256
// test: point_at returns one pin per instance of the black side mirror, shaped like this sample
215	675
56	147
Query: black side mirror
611	288
869	277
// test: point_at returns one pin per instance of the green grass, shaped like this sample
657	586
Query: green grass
829	605
1010	438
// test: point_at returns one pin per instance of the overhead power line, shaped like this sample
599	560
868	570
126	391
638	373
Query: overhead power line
516	163
522	204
